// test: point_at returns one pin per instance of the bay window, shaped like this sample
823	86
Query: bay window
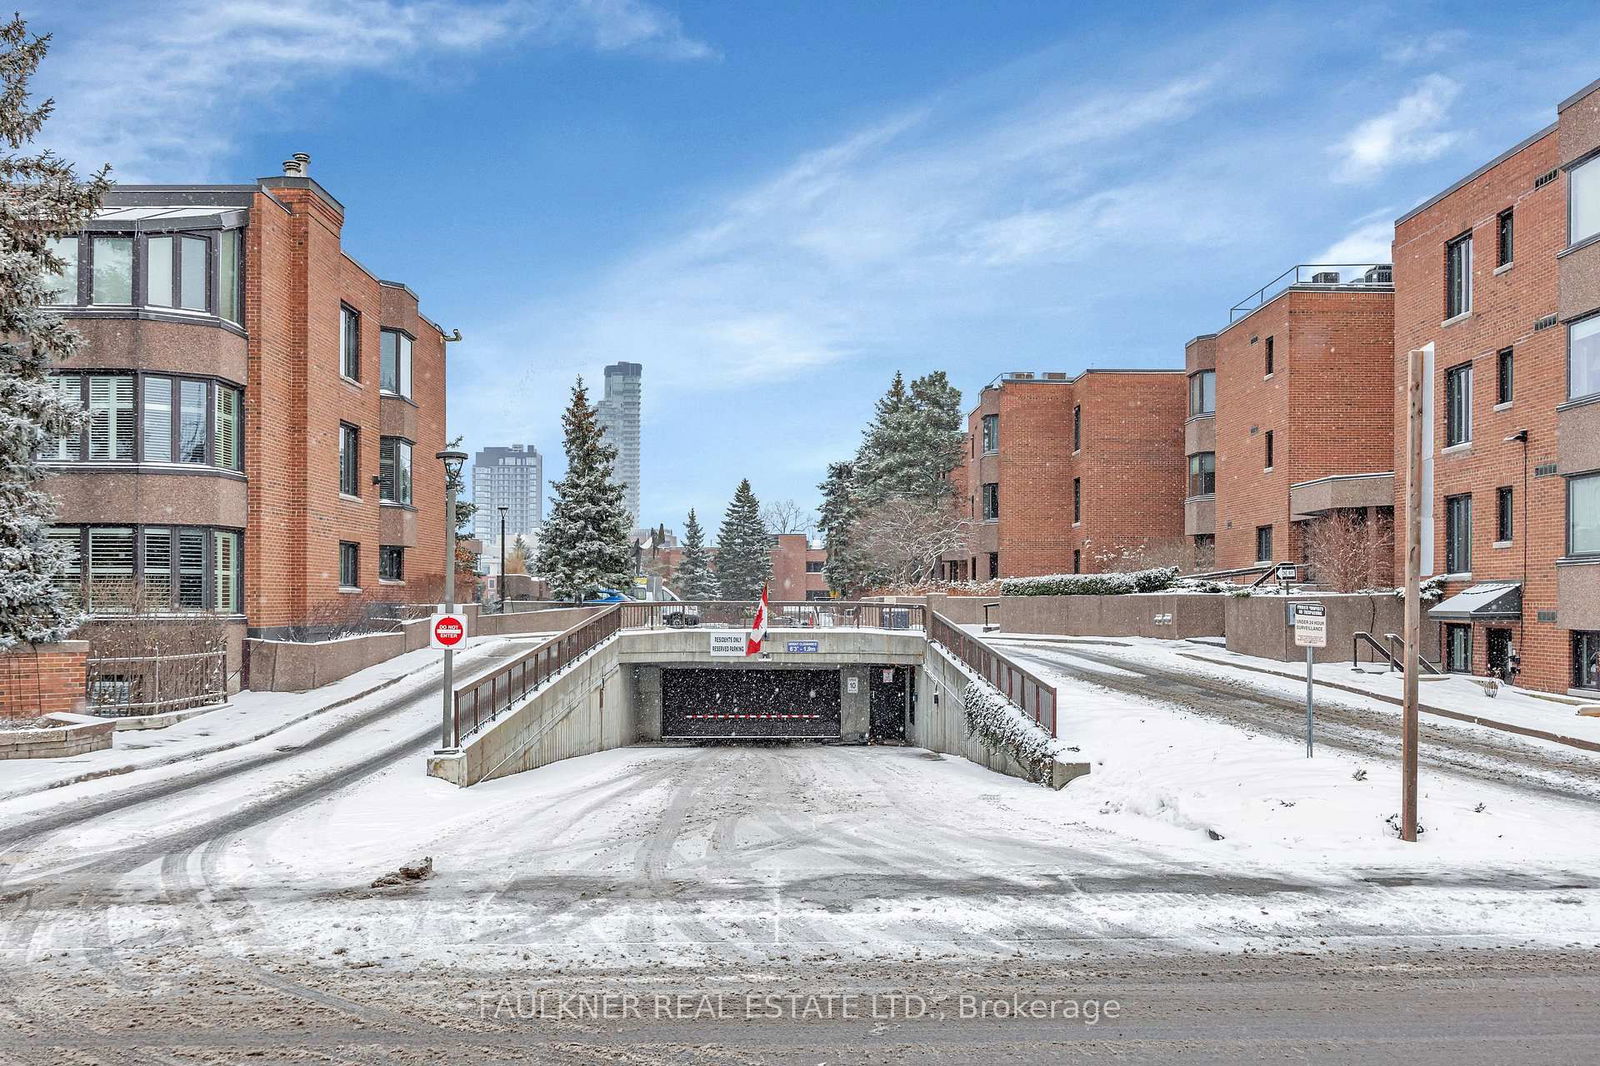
394	469
111	260
1583	357
395	373
199	272
1203	474
151	418
152	569
1583	515
1203	392
177	271
1583	204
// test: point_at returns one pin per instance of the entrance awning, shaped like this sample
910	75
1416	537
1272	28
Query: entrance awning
1489	602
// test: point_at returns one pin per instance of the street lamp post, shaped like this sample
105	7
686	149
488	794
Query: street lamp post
453	461
503	510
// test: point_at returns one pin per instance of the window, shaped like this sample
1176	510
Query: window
227	447
1077	427
350	342
1203	392
1266	358
1267	450
1583	357
391	563
1585	660
1503	524
1505	365
1203	474
1458	276
814	566
177	269
396	371
394	469
991	501
194	407
1077	500
63	286
154	568
225	571
1583	204
1458	405
1458	534
111	417
1077	561
349	565
1505	236
64	448
1583	515
112	266
1458	649
349	466
228	275
991	433
1263	544
994	564
111	570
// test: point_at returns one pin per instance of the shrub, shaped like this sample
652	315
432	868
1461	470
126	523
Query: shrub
1000	726
1156	579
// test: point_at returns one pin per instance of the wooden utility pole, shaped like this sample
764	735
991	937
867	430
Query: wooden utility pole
1413	618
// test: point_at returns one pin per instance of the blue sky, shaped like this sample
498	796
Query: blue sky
775	206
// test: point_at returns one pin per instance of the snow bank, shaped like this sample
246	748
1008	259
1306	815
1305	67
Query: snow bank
1000	726
1153	580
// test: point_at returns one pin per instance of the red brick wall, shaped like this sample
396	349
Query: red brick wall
1505	306
41	679
1326	403
789	578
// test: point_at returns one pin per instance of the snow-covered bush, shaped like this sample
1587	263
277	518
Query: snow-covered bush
1000	726
1156	579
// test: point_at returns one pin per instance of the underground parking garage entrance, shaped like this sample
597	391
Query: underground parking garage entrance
757	702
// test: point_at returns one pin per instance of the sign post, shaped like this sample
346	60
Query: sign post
1310	633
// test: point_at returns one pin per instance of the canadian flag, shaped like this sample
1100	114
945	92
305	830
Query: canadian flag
758	629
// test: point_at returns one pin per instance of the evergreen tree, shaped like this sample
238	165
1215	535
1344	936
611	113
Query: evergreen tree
694	577
845	570
585	543
744	550
913	442
41	199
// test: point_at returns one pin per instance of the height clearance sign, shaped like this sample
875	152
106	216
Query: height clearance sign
447	630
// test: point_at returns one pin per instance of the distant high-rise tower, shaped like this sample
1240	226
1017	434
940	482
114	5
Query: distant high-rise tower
512	478
619	415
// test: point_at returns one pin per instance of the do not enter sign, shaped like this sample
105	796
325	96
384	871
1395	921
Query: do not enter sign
447	630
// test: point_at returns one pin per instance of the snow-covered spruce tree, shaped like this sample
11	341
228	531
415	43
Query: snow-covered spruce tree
41	199
585	543
744	550
913	442
836	519
694	578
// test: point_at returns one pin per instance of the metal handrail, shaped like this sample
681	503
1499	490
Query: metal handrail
783	614
1258	299
481	700
1360	637
1020	685
1396	641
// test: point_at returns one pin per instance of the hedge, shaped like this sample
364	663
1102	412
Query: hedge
1156	579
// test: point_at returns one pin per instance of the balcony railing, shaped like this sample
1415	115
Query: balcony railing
1312	275
785	614
1035	697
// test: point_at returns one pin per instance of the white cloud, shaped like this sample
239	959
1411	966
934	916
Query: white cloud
156	90
1409	132
1371	241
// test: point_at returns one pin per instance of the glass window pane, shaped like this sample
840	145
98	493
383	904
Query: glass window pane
405	365
69	540
1585	218
228	276
111	417
64	285
1583	515
349	343
192	569
113	270
156	575
402	471
158	420
226	445
157	272
1583	346
226	556
110	569
64	448
195	272
192	427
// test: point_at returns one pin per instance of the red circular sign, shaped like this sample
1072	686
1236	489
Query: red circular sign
449	632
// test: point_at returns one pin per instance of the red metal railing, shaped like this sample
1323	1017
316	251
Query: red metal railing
1036	698
480	700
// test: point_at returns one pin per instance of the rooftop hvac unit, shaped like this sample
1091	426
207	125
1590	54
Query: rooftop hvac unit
1325	277
1379	275
1021	375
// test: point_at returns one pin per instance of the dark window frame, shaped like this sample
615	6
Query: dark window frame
1585	650
989	427
349	342
403	384
1505	237
140	270
1505	375
1203	475
1458	276
349	564
1263	544
1458	540
1077	500
1269	357
1077	427
1268	451
1505	526
1570	550
387	470
1458	405
349	460
990	494
1589	320
214	387
391	554
1197	393
207	569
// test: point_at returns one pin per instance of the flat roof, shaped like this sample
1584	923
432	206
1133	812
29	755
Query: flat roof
1579	95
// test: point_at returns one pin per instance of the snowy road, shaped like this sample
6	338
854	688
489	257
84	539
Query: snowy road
1206	874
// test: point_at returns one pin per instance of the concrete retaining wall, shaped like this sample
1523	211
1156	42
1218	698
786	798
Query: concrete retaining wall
1171	616
553	620
589	707
1259	625
292	666
74	735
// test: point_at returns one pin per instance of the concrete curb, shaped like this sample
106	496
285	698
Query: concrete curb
1459	716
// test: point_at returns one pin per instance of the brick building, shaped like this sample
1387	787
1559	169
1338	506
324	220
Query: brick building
263	412
1073	474
1290	420
1498	282
797	565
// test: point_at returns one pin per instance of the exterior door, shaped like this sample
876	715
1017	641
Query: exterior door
887	707
1499	651
1458	649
